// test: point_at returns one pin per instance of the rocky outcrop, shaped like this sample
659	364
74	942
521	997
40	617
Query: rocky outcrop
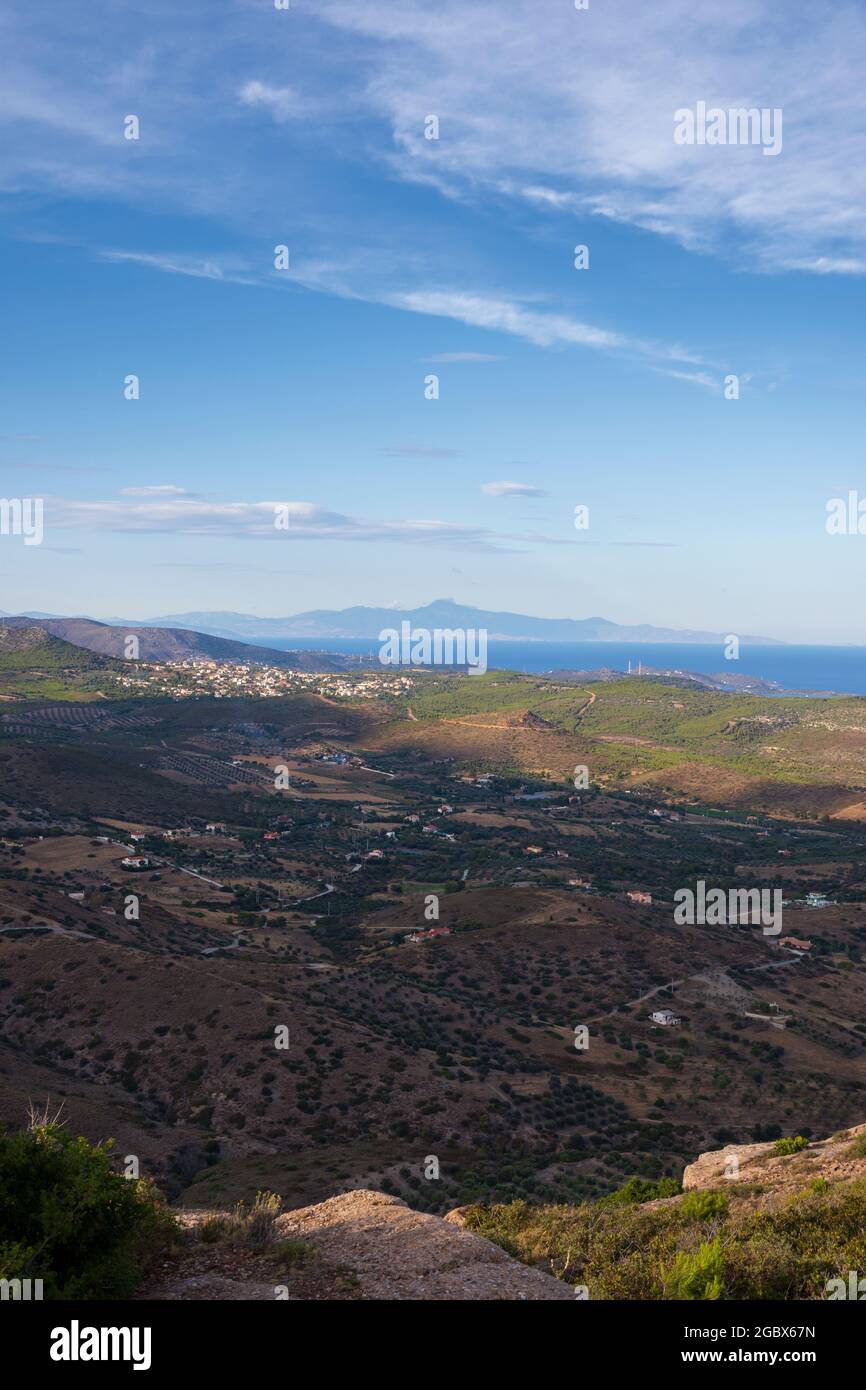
360	1245
831	1159
397	1253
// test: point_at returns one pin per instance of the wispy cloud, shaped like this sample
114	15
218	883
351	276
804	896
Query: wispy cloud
282	103
537	326
573	113
184	515
154	490
566	112
465	357
418	451
200	268
506	316
506	489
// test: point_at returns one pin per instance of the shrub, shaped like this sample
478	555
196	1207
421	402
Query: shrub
704	1206
640	1190
697	1275
783	1147
245	1225
68	1219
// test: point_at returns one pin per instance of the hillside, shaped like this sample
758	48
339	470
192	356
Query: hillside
780	755
172	644
35	648
36	664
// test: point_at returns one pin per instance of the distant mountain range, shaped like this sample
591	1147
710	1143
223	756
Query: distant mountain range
367	623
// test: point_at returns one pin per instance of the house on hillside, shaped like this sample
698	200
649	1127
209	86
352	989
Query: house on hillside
666	1018
135	861
794	943
637	895
429	934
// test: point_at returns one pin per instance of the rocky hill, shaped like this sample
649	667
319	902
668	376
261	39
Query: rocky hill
169	644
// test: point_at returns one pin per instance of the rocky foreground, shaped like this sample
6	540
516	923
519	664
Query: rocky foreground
369	1246
363	1245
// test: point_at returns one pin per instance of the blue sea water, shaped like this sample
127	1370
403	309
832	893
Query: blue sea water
841	670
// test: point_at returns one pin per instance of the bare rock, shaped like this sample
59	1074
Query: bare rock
397	1253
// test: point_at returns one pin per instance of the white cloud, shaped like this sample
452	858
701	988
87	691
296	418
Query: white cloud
156	490
546	106
512	490
465	357
505	316
199	267
144	512
281	102
542	328
573	111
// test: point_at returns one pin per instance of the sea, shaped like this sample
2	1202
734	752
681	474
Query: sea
797	669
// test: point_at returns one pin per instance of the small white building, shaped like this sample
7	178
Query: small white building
666	1018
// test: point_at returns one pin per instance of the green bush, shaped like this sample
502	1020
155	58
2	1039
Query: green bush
640	1190
68	1219
783	1147
704	1206
245	1225
697	1275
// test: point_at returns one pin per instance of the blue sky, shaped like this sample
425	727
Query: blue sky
407	257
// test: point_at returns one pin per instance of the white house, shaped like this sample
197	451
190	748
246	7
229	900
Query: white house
665	1018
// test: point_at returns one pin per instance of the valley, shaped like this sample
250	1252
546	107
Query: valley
288	846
